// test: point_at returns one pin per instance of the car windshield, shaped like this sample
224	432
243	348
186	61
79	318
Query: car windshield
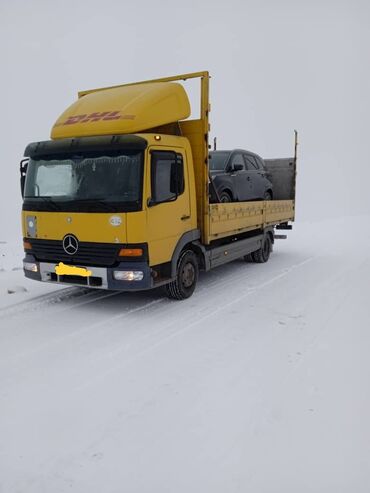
114	179
218	160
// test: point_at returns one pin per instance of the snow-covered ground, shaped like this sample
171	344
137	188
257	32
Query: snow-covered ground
258	383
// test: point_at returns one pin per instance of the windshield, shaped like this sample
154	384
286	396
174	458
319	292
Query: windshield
218	160
108	181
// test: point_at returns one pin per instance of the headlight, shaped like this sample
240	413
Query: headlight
128	275
31	266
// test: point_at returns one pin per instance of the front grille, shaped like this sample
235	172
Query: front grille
99	254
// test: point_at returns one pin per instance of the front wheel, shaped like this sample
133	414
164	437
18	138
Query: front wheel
183	285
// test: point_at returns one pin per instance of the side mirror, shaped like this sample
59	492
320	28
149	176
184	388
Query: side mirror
238	167
23	171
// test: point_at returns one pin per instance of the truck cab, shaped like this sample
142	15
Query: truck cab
116	204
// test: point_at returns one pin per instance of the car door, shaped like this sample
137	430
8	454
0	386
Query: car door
257	184
264	177
239	177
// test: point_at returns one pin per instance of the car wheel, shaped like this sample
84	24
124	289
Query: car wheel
225	197
186	277
263	254
267	196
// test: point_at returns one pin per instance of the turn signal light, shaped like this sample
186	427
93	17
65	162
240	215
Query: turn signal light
27	245
131	252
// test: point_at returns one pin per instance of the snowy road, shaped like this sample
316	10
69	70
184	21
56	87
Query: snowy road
258	383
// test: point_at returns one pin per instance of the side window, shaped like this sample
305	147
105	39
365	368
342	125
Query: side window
237	162
167	176
260	162
251	162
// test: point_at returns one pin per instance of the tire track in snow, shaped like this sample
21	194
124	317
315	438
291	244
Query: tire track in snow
18	308
211	311
70	335
207	310
208	291
39	302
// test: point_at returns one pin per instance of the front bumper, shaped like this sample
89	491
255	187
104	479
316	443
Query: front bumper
101	277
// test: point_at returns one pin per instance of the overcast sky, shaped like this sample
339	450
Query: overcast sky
275	66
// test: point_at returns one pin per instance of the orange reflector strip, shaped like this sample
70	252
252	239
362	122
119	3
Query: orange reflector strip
131	252
27	245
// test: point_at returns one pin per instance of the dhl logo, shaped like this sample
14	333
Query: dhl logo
97	116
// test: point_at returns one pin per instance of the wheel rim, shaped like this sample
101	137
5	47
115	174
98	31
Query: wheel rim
188	275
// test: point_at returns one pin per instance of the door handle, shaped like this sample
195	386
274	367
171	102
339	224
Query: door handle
184	218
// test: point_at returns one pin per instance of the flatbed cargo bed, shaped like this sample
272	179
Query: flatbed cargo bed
234	218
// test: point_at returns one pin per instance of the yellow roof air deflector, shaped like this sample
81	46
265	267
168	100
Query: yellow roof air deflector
123	110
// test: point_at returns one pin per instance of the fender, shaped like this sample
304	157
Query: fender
223	182
185	239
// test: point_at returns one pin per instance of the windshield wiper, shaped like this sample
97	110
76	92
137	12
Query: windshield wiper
47	199
103	203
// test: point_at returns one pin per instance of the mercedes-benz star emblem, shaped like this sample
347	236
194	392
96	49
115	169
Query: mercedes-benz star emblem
70	244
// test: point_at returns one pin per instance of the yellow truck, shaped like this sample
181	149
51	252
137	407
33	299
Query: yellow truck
119	198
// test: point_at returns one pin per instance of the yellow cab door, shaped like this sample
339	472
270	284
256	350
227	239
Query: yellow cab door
168	207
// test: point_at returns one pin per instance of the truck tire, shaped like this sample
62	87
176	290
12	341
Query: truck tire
186	277
263	254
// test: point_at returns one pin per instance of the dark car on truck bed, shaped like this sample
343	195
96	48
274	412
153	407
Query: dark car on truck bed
239	175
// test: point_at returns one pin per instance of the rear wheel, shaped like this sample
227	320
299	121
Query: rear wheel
263	254
225	197
186	277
